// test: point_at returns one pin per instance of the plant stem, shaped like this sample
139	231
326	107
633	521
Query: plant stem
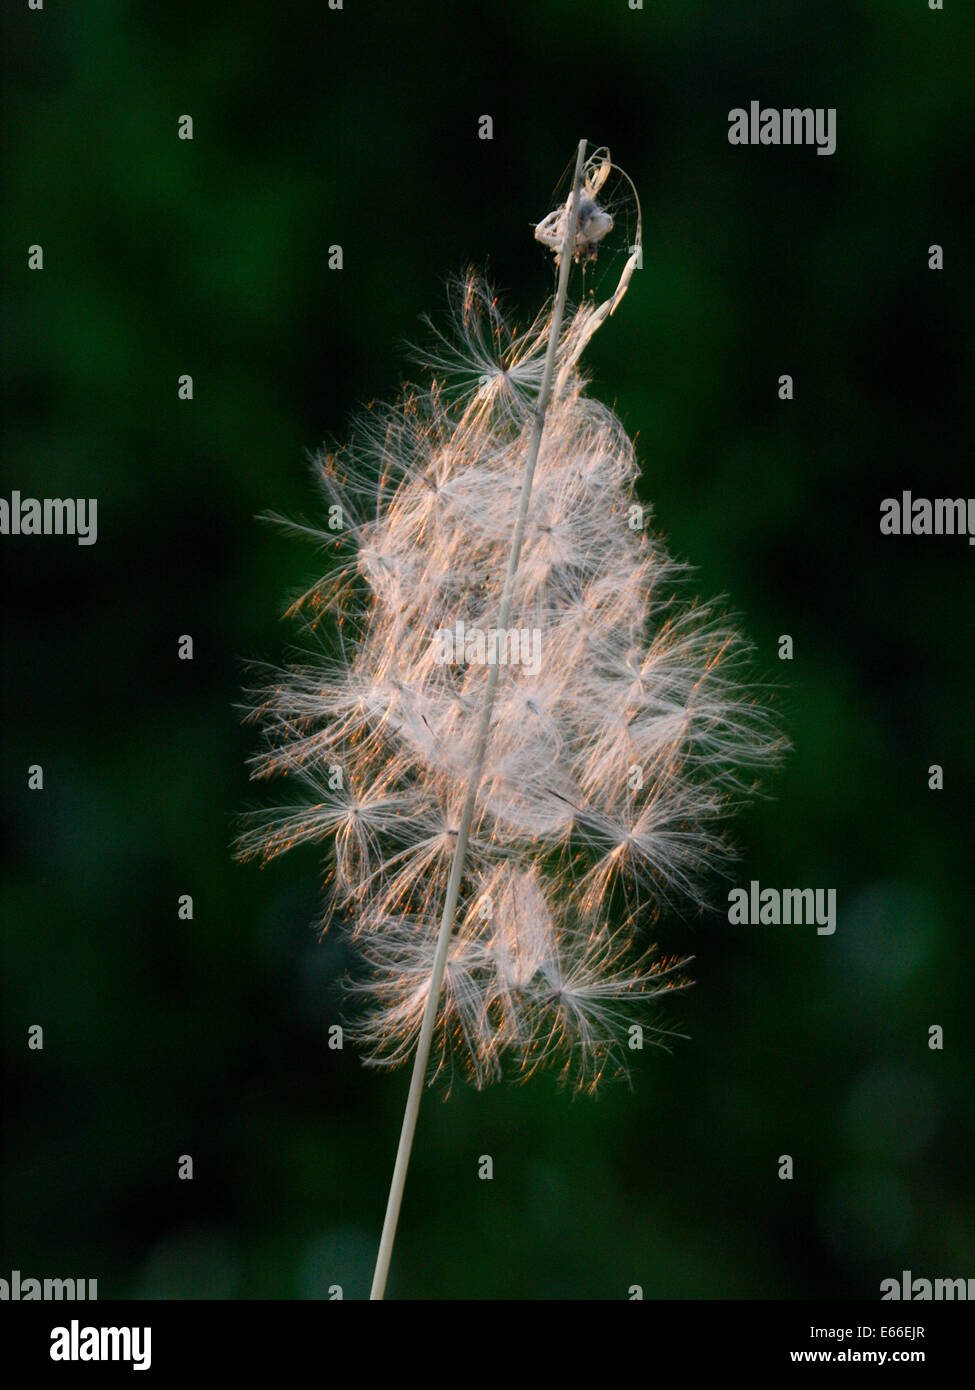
422	1058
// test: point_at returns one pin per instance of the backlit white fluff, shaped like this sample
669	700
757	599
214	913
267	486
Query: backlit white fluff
607	770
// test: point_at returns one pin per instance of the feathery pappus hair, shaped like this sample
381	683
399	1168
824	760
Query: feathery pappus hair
622	731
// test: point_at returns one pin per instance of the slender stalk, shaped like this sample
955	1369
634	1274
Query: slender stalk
422	1058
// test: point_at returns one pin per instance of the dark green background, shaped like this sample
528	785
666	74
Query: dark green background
209	1037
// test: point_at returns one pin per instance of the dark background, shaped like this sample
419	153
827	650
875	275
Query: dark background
209	1037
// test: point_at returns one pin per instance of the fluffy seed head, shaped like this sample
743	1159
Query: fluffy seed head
612	756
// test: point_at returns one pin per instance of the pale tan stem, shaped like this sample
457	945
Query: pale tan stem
422	1058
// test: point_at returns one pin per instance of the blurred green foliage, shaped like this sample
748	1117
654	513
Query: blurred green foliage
209	1037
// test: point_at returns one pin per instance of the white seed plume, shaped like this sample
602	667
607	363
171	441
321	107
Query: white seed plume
608	768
